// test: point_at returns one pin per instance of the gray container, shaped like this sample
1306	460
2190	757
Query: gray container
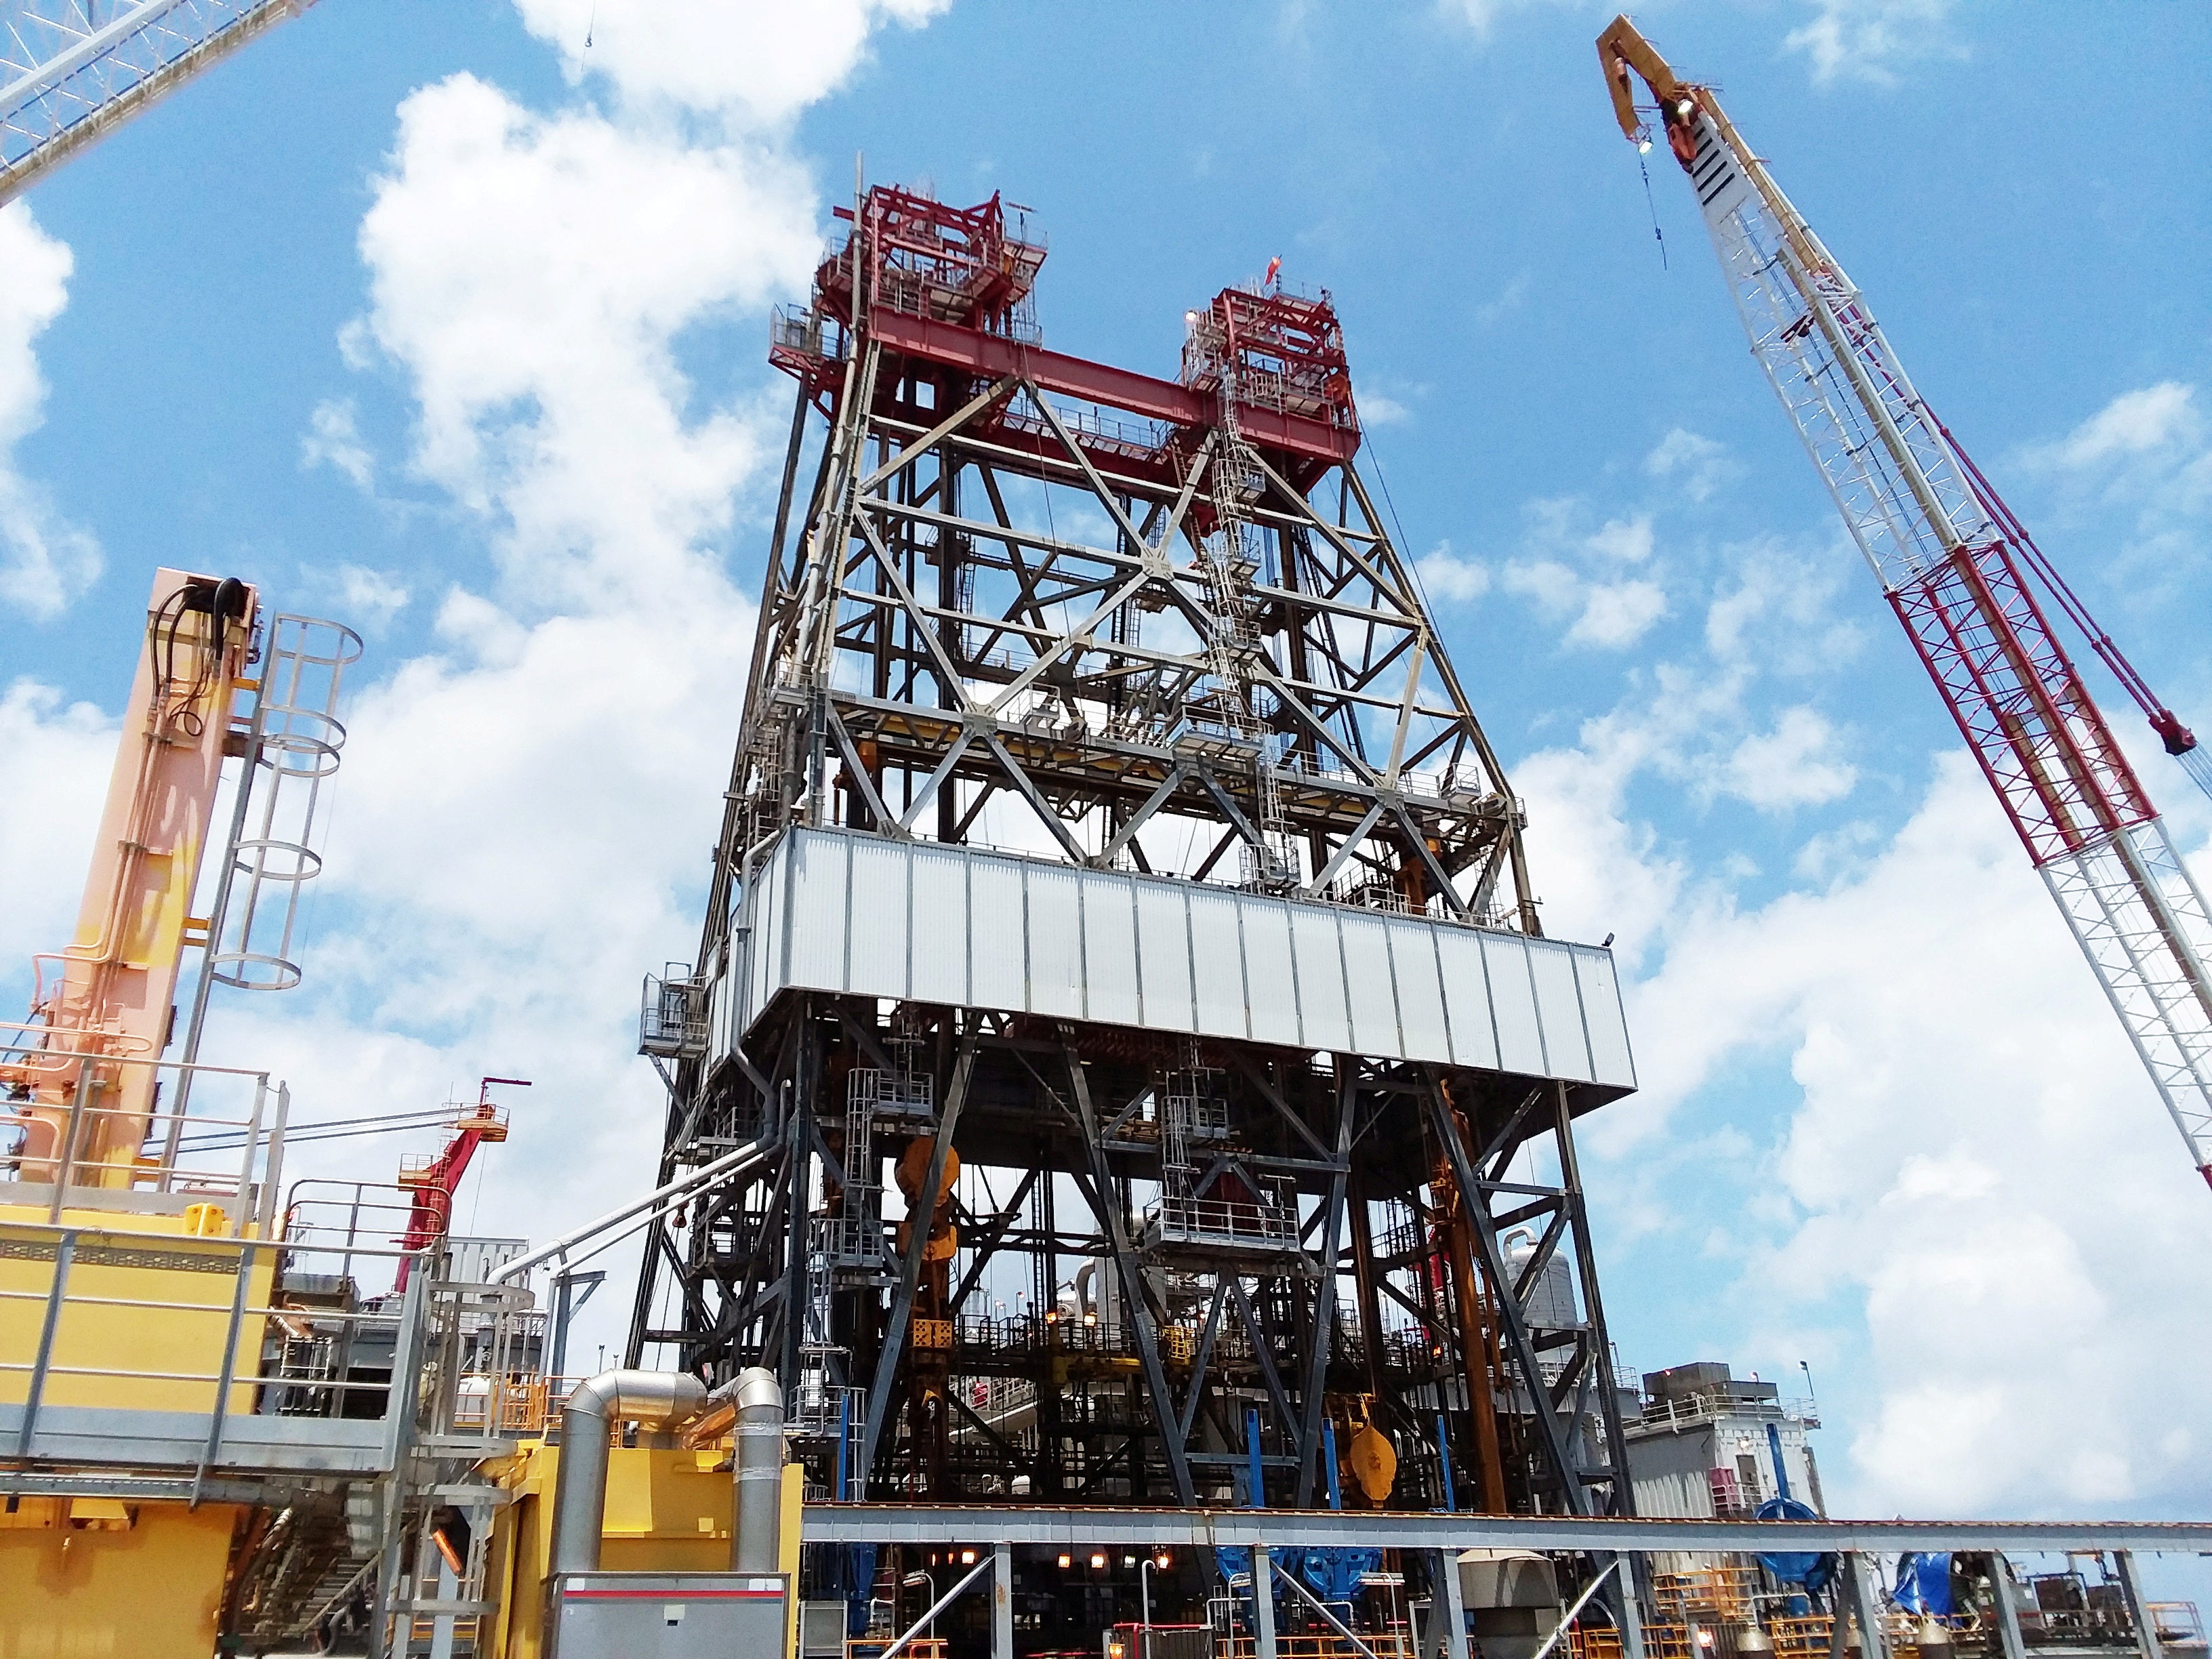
667	1615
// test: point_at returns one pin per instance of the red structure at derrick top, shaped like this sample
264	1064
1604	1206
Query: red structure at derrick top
948	291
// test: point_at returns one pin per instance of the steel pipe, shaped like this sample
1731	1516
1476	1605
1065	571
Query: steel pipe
655	1399
756	1544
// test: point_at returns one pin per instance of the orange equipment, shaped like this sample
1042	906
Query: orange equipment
434	1181
110	995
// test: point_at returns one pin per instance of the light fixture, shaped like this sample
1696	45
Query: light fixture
967	1557
1161	1560
1091	1319
1066	1560
1098	1560
1128	1560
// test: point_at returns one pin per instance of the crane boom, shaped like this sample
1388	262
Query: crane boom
1962	574
71	71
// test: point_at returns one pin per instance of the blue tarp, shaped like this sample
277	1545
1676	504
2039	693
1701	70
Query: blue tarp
1923	1584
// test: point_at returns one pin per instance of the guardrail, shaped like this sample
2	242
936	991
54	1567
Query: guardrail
229	1158
122	1347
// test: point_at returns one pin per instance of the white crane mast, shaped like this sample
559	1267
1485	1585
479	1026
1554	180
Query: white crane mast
71	71
1956	566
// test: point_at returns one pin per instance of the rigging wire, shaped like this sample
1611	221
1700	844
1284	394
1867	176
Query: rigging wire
1658	235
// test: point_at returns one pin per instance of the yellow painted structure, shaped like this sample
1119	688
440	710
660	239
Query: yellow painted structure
668	1511
146	1310
91	1579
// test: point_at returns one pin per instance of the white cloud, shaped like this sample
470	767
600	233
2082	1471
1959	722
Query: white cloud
1947	1186
525	819
2142	463
753	60
1380	408
1479	15
531	273
1795	764
2133	423
1700	463
1445	575
332	439
371	597
1870	40
1615	615
45	561
60	754
1570	577
1609	615
1507	300
1777	609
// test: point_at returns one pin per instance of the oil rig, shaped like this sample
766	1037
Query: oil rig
1120	1147
1114	869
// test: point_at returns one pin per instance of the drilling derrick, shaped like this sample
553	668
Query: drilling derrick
1121	944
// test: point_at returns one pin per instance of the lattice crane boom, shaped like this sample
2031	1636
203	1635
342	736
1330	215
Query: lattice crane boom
1963	576
71	71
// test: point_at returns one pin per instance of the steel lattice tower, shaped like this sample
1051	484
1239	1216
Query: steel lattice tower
1110	826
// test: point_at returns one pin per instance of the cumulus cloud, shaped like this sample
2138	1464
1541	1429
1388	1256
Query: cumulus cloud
65	750
333	440
1962	1110
1871	40
756	61
1698	464
1794	764
370	597
45	561
1446	575
2143	463
1574	575
526	818
531	273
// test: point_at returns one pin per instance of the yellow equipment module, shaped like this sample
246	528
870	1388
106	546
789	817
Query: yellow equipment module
668	1511
145	1310
91	1577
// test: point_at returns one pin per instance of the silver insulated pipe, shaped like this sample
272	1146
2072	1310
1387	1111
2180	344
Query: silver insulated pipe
653	1400
754	1546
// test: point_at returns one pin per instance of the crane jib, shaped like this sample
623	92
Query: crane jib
1955	564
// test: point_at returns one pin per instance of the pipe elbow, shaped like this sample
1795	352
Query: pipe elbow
656	1399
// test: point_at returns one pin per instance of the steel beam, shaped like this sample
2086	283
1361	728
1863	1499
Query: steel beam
1193	1529
2146	1623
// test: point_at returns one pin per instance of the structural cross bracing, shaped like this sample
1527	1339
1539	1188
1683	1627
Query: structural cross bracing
1121	942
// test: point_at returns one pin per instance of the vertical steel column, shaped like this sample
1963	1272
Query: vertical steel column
1324	1301
1632	1567
1263	1603
802	1104
2138	1609
1866	1602
2007	1610
902	1315
1002	1602
1133	1290
78	1101
1448	1605
1572	1492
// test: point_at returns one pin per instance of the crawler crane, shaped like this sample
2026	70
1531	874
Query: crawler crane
1973	591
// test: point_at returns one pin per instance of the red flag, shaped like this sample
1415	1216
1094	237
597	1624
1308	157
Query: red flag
1274	270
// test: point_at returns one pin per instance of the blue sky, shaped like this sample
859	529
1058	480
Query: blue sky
428	316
